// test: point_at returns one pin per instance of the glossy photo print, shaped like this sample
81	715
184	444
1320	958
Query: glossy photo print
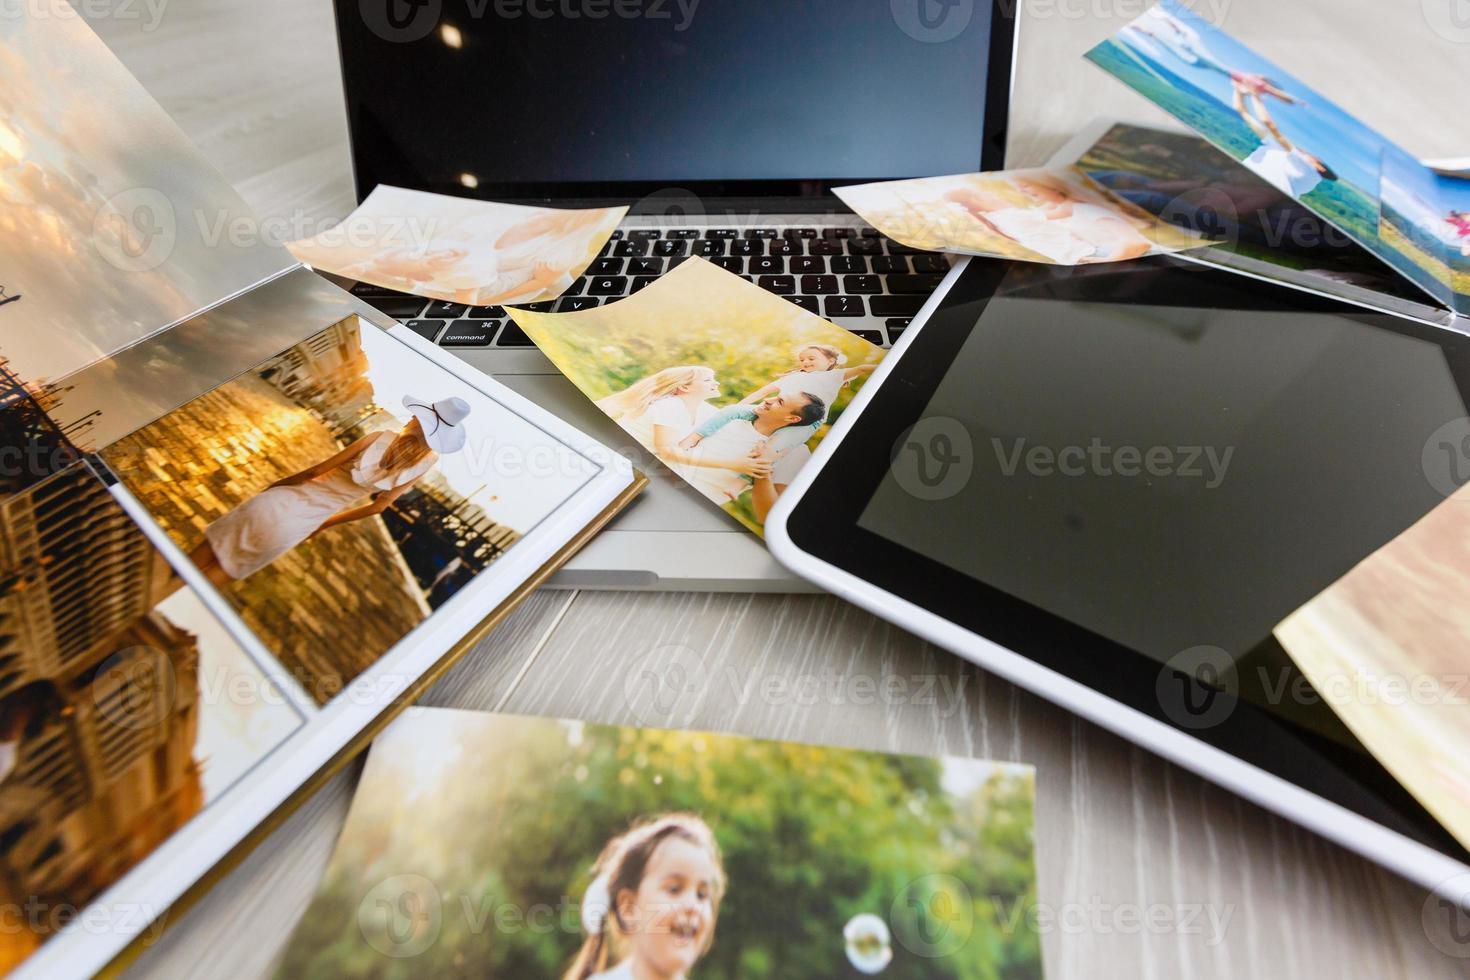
343	490
111	222
730	386
1386	646
1057	216
126	708
1273	123
593	852
460	250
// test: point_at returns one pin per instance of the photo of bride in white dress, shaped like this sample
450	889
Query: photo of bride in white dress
381	465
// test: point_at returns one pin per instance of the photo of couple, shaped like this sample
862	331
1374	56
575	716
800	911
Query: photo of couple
594	852
1299	142
728	385
343	490
1056	216
458	250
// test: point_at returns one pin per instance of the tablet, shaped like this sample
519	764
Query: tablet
1108	484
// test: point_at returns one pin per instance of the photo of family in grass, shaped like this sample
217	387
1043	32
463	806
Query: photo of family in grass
594	852
342	491
727	384
1057	216
1284	131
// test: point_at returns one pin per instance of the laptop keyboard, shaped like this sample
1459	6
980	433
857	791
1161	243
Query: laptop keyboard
854	277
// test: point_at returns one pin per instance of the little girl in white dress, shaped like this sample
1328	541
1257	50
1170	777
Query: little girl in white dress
288	512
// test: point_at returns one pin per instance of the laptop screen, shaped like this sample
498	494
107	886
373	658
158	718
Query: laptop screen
547	98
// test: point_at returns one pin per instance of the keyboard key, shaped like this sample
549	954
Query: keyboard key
870	233
627	248
808	265
577	288
864	246
642	281
914	285
809	303
469	333
405	308
605	267
608	286
486	313
726	233
668	248
730	264
798	233
873	337
845	306
862	285
513	336
646	267
899	248
368	289
844	264
825	246
617	233
766	265
820	285
780	285
897	326
889	264
886	306
760	233
929	262
571	304
840	233
783	246
748	246
709	247
439	310
545	306
643	234
677	261
427	329
684	234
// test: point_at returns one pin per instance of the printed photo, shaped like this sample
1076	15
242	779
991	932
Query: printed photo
1056	216
125	706
1385	645
727	384
1283	131
106	209
460	250
1426	218
341	491
592	852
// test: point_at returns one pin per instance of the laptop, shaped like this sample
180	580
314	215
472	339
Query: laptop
725	124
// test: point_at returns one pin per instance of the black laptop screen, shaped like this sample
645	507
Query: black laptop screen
503	93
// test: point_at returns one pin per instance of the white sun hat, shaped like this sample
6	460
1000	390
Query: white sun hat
442	422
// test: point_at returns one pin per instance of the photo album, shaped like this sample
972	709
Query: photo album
596	852
1410	217
244	518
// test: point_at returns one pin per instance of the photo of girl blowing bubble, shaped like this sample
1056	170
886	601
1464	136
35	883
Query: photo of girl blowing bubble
651	910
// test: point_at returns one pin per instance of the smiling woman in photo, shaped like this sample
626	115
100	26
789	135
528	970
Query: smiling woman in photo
382	465
651	910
